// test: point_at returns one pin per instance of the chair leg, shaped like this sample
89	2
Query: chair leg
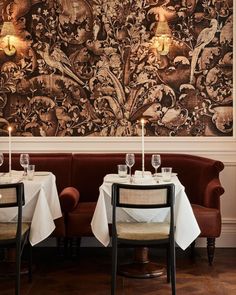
210	249
69	247
65	247
114	268
30	262
173	280
74	246
18	264
173	269
60	246
78	243
168	264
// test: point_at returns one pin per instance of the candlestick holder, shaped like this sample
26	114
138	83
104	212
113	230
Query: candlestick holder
143	156
9	130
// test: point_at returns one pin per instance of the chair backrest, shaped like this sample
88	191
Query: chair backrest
12	195
143	196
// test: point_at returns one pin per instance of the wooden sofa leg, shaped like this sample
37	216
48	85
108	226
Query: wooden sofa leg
60	247
75	246
78	246
210	249
69	247
66	246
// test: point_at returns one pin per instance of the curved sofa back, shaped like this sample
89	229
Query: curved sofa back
86	171
194	172
58	163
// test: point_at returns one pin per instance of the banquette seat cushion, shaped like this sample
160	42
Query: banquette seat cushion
88	171
78	220
78	214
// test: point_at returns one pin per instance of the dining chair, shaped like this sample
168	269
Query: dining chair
15	234
143	233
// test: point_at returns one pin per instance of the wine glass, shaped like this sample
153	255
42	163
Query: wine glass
1	159
24	161
130	160
156	162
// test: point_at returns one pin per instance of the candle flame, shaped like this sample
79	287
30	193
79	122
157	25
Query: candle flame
142	121
9	128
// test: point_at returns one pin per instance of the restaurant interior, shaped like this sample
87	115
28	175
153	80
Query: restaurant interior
117	147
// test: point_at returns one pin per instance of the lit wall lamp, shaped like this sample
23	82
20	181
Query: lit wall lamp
162	39
9	32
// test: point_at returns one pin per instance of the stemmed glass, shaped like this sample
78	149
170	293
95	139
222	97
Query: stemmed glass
130	160
156	162
1	159
24	161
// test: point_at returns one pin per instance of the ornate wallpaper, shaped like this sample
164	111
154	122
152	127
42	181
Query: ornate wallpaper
89	68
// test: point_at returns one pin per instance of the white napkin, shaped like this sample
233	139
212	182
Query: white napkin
115	178
172	174
16	176
140	180
139	174
17	173
5	179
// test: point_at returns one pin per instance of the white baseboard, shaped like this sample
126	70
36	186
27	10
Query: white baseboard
227	238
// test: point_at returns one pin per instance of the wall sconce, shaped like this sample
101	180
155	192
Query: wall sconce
162	37
8	31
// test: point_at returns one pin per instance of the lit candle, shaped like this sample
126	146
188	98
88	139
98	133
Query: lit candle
142	123
9	129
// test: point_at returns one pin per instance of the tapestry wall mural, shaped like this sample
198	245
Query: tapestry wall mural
91	68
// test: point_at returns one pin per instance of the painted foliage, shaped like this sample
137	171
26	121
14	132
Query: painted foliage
89	68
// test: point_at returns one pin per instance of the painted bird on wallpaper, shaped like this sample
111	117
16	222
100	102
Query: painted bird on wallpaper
204	38
58	60
18	8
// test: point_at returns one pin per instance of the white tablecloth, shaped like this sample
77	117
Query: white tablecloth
41	206
187	229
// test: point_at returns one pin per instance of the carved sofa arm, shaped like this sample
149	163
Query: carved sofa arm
69	198
213	191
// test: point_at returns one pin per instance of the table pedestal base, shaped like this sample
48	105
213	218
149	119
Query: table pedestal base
8	265
8	268
141	268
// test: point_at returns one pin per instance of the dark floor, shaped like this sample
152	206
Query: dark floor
90	274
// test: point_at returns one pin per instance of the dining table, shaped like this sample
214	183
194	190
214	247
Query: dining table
186	226
41	206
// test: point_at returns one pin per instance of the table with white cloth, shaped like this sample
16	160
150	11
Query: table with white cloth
186	226
41	207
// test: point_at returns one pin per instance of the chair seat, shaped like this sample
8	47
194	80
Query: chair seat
8	230
143	230
78	220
